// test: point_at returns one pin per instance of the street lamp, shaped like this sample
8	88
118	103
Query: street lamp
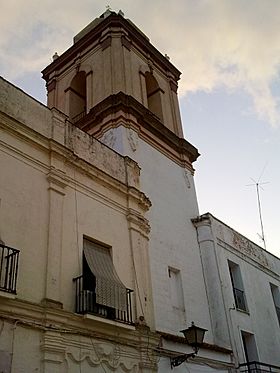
194	337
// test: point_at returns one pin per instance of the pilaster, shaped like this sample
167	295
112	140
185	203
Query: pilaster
53	352
139	240
213	282
56	189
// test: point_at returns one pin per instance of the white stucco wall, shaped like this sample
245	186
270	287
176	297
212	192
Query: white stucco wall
258	269
57	185
173	239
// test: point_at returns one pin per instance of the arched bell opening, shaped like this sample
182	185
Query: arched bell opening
153	95
78	97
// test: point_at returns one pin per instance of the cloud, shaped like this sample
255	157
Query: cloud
233	44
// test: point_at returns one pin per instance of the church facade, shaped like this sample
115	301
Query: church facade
105	258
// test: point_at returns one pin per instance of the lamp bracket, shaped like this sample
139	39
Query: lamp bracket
178	360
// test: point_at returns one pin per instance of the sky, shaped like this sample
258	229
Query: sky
229	54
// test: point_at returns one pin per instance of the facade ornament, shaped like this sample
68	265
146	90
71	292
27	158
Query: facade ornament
103	354
55	56
150	65
186	175
132	137
244	245
109	138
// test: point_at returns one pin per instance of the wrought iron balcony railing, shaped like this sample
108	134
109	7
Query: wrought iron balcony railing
257	367
240	301
85	303
8	268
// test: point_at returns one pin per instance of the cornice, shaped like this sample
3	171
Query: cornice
57	181
22	131
201	220
38	316
113	21
143	201
245	256
145	118
127	184
138	223
105	179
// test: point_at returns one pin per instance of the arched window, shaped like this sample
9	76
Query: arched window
77	97
153	95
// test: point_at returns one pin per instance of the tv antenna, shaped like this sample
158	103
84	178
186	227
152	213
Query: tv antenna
258	186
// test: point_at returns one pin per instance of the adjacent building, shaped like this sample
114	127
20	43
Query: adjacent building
104	257
242	282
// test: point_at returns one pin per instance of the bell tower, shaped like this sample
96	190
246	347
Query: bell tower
115	85
113	77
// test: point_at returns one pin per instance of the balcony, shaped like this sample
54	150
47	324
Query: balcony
257	367
239	297
8	268
86	303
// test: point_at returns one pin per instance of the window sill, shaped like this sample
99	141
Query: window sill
243	311
89	316
5	294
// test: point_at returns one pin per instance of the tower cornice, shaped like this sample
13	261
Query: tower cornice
146	119
138	39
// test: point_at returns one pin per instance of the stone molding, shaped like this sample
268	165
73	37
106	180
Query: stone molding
40	316
106	43
114	23
237	244
132	138
57	181
126	42
82	151
109	138
121	102
187	180
138	223
70	338
259	261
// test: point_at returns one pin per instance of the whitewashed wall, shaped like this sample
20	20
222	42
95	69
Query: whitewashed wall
258	269
58	184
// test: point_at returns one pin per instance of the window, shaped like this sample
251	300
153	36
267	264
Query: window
153	95
77	97
237	286
176	295
276	299
9	258
99	289
249	346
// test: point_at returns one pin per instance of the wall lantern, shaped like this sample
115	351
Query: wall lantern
194	337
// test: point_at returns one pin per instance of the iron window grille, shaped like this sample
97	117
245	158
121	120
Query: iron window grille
9	258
